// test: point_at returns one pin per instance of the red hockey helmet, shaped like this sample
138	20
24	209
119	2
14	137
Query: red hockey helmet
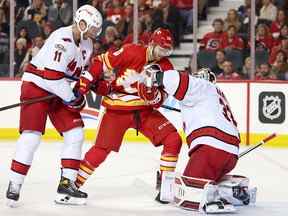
162	37
161	40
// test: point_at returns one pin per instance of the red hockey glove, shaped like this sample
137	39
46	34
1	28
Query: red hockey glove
84	84
77	104
102	87
152	96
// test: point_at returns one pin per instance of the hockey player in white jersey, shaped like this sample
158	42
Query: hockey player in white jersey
65	54
213	139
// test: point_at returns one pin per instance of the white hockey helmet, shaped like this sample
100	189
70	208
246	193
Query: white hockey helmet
205	73
91	16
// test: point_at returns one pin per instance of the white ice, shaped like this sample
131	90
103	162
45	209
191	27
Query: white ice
124	184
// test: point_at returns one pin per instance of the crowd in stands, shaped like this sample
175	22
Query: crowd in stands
36	19
229	43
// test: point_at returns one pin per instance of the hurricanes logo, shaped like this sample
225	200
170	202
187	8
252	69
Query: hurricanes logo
271	107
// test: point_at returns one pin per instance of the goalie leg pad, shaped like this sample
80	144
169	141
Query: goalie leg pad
199	194
235	189
167	187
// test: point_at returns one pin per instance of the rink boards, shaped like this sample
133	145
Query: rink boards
260	108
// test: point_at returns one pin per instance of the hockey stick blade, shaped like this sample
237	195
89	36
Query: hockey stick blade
170	108
34	100
266	139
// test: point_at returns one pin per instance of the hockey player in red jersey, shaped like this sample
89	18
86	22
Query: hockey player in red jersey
125	109
64	55
213	139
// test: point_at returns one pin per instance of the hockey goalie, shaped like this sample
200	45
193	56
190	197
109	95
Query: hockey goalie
213	140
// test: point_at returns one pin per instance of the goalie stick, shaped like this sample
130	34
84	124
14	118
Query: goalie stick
266	139
34	100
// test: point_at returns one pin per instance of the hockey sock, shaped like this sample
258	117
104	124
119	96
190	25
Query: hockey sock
93	158
71	152
26	145
169	156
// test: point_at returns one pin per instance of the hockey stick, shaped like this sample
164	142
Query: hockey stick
34	100
271	136
170	108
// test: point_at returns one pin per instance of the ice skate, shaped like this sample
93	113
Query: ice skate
12	194
69	194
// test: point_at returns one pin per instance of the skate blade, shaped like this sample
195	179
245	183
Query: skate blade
65	199
12	203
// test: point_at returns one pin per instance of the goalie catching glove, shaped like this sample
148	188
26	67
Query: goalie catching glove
152	96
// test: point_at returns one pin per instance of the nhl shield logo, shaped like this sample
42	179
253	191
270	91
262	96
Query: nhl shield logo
272	107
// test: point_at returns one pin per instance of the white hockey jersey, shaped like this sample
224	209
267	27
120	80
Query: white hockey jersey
59	62
206	115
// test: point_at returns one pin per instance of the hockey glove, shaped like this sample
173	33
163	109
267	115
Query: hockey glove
77	104
84	84
102	87
152	96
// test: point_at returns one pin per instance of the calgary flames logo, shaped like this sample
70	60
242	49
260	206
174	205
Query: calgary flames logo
129	78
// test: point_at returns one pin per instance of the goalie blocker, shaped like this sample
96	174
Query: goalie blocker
206	195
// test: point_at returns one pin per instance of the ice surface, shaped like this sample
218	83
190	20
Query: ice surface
124	184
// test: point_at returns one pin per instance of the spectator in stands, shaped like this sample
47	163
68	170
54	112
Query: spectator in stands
47	29
19	54
37	43
143	36
232	18
186	11
283	33
220	59
245	27
230	40
212	40
172	18
268	10
127	19
4	47
276	25
37	6
157	19
264	40
97	4
242	10
280	65
264	72
4	15
60	13
283	46
228	72
111	34
115	12
23	33
246	69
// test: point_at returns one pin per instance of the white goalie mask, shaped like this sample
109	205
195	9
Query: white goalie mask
205	73
150	74
92	17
